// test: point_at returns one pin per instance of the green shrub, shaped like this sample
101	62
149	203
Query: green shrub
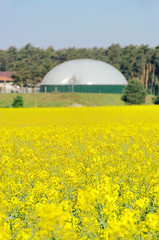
134	92
156	100
18	102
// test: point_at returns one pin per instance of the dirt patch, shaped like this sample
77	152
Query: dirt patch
77	105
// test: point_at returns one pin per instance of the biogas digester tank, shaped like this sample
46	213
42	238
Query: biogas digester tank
84	75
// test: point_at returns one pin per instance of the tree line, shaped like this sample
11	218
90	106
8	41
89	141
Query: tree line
30	64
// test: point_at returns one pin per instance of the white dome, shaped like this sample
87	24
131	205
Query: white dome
84	72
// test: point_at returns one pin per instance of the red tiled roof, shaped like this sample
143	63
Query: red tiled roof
6	76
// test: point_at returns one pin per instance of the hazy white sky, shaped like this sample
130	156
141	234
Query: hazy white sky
78	23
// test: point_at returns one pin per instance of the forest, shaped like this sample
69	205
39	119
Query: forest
30	64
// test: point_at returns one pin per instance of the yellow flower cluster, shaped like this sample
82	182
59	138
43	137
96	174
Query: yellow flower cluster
79	173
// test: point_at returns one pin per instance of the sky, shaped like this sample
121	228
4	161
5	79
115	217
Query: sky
78	23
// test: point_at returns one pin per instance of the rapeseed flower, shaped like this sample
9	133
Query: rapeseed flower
86	173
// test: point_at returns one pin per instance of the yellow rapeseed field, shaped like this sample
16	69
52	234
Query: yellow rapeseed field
79	173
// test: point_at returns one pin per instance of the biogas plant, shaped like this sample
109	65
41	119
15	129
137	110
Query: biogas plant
84	75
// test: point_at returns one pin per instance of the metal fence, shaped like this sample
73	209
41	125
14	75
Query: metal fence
83	88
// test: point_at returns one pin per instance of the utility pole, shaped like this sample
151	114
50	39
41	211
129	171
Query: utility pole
35	94
5	84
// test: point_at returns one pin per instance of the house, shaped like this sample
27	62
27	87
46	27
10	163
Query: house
6	82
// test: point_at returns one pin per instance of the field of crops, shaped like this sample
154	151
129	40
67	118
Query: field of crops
79	173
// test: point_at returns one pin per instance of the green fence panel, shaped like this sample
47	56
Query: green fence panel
83	88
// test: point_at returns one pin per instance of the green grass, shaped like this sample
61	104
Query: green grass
65	99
